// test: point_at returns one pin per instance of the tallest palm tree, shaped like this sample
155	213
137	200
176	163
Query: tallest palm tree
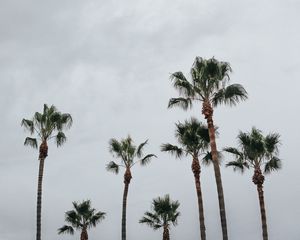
45	126
210	85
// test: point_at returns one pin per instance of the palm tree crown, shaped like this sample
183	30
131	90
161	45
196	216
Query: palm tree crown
165	212
47	125
256	151
82	217
209	83
193	137
127	152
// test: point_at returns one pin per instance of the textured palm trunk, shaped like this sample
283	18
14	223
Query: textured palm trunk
84	234
127	178
166	234
42	156
207	111
258	179
196	171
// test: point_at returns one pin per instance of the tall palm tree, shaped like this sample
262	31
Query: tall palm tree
193	138
257	152
45	126
82	218
165	213
127	152
209	85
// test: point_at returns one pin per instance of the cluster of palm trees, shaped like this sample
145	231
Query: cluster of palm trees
209	85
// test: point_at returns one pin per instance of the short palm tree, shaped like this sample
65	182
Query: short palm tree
129	154
209	85
193	138
165	213
45	126
257	151
82	218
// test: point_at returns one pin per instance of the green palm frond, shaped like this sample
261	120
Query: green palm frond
115	147
207	159
32	142
273	164
112	167
272	141
184	103
95	219
174	150
180	83
230	95
28	125
66	229
146	160
238	165
60	139
139	151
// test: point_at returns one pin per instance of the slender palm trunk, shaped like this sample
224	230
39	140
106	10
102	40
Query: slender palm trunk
166	234
207	111
42	156
258	179
84	234
196	170
127	178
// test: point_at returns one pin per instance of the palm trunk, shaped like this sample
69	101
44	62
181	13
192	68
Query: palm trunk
166	234
258	180
127	178
84	234
42	156
207	111
196	170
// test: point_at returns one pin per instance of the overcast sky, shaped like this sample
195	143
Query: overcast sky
108	64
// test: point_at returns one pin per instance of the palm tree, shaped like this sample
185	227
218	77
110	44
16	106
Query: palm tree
127	152
45	126
82	218
209	85
193	138
165	212
257	151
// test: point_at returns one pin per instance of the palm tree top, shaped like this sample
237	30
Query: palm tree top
127	152
164	212
47	125
209	82
83	216
256	150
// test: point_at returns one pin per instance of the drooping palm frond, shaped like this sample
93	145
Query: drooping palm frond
230	95
60	139
115	147
32	142
174	150
96	218
273	164
238	165
139	151
66	229
147	159
112	167
28	125
207	159
272	141
180	83
184	103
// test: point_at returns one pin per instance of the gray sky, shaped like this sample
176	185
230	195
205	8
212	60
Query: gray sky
108	64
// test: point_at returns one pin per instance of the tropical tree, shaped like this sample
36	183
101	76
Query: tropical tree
129	155
82	218
164	214
209	85
193	138
45	126
260	153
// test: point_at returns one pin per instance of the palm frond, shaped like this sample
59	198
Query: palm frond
95	219
184	103
238	165
174	150
112	167
115	147
272	141
207	159
230	95
139	151
32	142
182	84
60	139
28	125
273	164
146	160
66	229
